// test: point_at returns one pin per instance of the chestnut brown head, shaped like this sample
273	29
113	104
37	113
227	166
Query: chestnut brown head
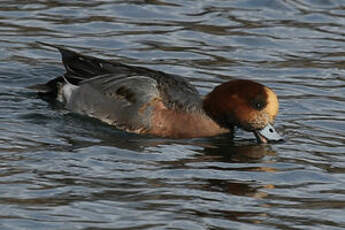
246	104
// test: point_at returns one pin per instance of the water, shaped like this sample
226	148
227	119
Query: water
64	171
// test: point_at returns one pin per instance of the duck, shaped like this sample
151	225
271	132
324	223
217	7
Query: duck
151	102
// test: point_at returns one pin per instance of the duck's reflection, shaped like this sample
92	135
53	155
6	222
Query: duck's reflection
240	151
221	155
221	148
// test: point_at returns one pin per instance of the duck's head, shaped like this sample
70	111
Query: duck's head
247	105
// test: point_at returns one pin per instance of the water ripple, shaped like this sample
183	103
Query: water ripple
61	170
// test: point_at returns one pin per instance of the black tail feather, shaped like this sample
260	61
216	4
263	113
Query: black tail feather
79	65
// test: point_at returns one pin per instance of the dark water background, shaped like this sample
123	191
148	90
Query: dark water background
63	171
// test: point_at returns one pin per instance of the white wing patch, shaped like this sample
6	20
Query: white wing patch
66	92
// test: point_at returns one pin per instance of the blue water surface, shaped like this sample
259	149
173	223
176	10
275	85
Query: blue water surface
64	171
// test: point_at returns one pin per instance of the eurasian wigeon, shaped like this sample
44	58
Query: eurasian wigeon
145	101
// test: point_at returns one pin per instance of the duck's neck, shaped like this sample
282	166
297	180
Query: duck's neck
213	109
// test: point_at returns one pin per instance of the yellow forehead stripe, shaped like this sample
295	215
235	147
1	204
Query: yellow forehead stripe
272	107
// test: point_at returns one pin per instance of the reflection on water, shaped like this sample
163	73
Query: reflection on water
61	170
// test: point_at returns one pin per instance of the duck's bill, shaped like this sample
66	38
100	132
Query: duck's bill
267	134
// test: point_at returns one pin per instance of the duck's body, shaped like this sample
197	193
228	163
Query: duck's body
145	101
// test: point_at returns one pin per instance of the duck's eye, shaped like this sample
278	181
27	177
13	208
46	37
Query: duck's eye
258	103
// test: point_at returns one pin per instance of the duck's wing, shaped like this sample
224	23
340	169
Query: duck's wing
126	102
175	91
